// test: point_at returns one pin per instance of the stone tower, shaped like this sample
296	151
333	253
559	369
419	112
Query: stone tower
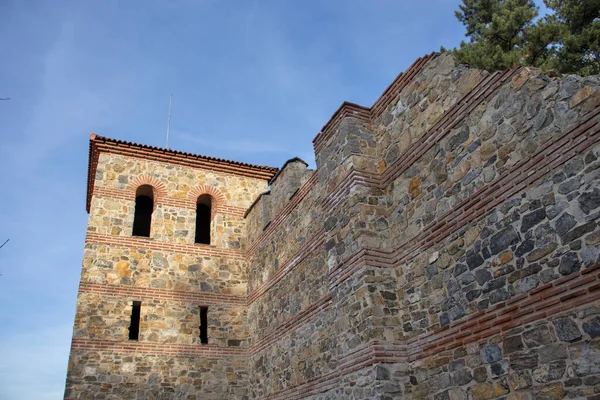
447	246
160	282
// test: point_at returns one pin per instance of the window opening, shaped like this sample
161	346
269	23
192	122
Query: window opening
134	327
203	211
144	205
204	325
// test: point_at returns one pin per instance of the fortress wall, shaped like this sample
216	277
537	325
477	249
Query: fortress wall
485	152
293	294
300	324
350	147
451	272
258	216
481	251
296	359
288	289
292	230
269	206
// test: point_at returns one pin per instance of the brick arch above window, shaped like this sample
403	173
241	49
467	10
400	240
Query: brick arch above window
217	198
159	189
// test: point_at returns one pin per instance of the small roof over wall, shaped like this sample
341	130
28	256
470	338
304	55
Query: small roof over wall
99	144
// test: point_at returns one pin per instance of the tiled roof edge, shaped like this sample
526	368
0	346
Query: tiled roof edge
99	144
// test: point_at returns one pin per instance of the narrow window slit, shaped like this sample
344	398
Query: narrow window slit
203	214
134	327
204	325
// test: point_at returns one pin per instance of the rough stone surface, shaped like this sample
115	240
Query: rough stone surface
567	330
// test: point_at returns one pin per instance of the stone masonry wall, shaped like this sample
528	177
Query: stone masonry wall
136	375
287	280
172	277
459	254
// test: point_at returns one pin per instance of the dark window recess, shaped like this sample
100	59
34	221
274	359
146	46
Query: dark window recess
204	325
134	328
203	206
234	342
144	205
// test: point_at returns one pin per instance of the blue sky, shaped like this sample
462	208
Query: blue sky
251	80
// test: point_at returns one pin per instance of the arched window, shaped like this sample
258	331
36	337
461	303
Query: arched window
144	205
203	205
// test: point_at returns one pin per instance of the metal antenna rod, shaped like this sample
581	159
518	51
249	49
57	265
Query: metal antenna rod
4	243
169	119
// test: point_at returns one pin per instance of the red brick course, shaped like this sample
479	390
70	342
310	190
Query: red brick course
145	293
155	348
134	242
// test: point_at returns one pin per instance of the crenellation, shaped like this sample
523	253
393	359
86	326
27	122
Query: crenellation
285	184
446	247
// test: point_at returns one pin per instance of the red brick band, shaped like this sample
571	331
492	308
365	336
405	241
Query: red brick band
342	190
155	348
372	353
133	242
202	298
